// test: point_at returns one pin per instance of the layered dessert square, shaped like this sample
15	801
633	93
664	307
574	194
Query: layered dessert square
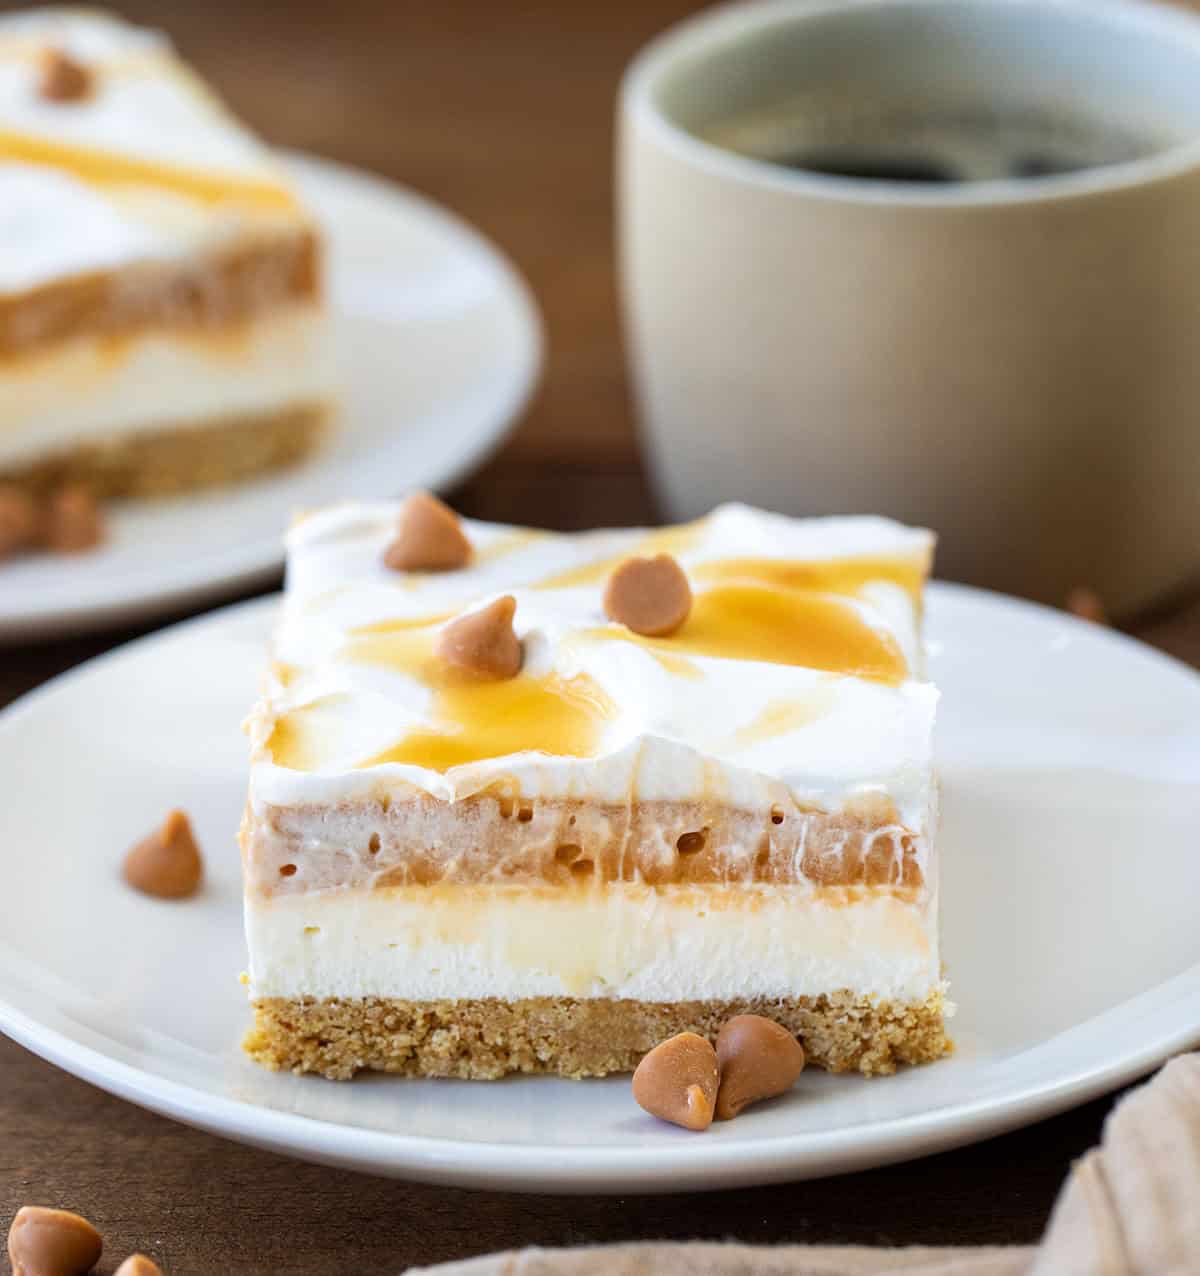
567	795
161	316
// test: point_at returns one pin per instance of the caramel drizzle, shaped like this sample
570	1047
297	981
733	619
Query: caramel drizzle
781	717
780	627
395	653
300	738
774	611
663	540
105	168
845	576
472	718
100	167
509	543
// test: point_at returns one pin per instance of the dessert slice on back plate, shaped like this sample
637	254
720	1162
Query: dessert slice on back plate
161	319
544	806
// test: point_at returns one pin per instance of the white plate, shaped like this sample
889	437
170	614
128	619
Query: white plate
439	346
1070	758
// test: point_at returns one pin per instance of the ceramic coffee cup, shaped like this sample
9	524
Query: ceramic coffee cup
991	326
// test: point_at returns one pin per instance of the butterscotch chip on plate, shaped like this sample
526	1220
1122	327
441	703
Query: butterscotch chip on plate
72	522
50	1242
484	641
651	596
167	864
139	1265
429	537
759	1059
18	520
677	1081
64	79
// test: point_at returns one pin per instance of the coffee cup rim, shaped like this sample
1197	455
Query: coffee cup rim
712	27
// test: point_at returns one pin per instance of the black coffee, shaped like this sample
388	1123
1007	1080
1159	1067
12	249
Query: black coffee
878	167
930	148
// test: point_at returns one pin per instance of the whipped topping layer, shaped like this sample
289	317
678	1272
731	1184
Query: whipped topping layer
66	228
635	942
148	165
799	671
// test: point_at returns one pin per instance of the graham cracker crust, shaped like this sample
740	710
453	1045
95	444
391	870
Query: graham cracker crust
170	459
482	1040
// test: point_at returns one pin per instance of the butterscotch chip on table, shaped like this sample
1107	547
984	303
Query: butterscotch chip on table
429	537
554	867
139	1265
50	1242
651	596
72	522
759	1059
162	319
167	863
1087	605
19	523
677	1081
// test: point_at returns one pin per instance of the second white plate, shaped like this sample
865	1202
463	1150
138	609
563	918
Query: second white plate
438	345
1070	760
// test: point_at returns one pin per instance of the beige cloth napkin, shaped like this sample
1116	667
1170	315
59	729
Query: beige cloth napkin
1131	1207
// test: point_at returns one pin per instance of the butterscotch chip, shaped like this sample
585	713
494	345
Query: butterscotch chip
484	641
651	596
1087	605
167	864
429	538
139	1265
677	1081
72	522
758	1060
18	520
47	1242
64	79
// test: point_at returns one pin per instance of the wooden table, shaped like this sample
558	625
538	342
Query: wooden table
503	112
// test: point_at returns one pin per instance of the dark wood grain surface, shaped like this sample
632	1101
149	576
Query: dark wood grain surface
503	112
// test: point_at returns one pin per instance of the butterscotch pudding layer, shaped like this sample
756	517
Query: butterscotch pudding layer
164	460
501	837
209	293
483	1039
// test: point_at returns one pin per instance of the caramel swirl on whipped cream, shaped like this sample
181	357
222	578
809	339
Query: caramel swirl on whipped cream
797	672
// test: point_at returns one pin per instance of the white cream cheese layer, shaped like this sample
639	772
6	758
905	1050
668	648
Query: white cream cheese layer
85	391
676	728
624	942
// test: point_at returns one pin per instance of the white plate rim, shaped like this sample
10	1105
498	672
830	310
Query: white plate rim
570	1170
265	559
